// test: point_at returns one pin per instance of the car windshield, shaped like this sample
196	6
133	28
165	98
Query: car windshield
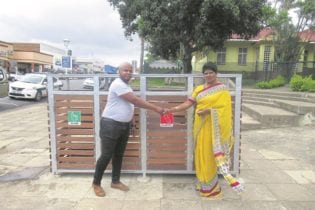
34	79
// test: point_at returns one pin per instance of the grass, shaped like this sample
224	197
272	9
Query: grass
155	82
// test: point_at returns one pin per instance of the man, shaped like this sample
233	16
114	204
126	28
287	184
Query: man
115	125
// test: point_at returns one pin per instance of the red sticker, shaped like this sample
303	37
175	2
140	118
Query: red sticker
167	120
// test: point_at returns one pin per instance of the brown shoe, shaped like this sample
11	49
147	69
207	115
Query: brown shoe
120	186
98	190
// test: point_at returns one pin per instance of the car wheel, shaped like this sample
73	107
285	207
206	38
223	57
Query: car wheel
38	96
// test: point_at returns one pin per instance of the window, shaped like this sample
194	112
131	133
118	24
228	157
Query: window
305	57
267	58
221	54
242	55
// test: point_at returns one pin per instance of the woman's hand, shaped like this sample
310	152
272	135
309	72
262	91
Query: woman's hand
203	112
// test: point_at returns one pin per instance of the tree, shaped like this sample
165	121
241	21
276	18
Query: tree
287	42
177	28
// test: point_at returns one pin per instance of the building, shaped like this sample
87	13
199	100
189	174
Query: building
21	58
57	54
6	55
256	55
88	65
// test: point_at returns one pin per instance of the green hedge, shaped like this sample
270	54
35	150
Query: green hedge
306	84
277	82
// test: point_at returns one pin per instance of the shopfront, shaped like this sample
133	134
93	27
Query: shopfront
6	53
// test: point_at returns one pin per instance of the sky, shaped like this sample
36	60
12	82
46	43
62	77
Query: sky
92	26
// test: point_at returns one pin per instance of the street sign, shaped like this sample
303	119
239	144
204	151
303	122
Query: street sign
74	118
66	62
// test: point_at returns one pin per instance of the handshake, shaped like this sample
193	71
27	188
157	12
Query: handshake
163	111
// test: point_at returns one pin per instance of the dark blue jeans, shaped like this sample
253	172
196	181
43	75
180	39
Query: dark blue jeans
114	137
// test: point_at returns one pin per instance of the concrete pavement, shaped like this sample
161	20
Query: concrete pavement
277	169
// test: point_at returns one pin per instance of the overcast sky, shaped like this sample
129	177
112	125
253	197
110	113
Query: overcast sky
92	26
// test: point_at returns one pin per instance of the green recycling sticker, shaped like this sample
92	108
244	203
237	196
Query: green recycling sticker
74	118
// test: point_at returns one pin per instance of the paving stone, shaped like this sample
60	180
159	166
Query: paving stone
26	173
259	164
142	205
38	202
291	192
264	205
99	203
257	192
302	205
184	204
251	154
209	204
272	155
293	165
302	176
263	176
151	190
187	191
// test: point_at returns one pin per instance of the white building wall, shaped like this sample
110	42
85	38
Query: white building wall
92	65
57	54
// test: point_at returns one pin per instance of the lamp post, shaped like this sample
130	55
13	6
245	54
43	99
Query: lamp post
66	43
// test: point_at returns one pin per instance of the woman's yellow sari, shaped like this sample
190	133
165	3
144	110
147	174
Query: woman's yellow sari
213	138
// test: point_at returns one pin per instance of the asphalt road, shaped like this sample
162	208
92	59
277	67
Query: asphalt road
7	103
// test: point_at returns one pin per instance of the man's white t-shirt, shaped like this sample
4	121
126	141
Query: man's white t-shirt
116	107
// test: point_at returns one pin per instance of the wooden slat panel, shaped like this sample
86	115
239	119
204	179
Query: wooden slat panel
73	97
130	167
166	154
76	146
76	159
157	127
74	104
132	159
133	146
166	161
167	141
153	134
168	147
60	125
75	166
85	111
74	139
166	167
76	131
76	152
64	117
132	153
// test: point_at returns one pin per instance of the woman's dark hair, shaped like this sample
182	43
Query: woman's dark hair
209	66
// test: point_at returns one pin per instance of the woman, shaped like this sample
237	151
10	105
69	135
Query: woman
212	132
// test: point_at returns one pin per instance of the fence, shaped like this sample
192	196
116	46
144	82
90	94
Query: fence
74	117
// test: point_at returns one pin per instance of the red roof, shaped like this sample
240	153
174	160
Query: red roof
307	35
261	34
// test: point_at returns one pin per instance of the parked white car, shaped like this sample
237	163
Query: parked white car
32	86
88	83
15	77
